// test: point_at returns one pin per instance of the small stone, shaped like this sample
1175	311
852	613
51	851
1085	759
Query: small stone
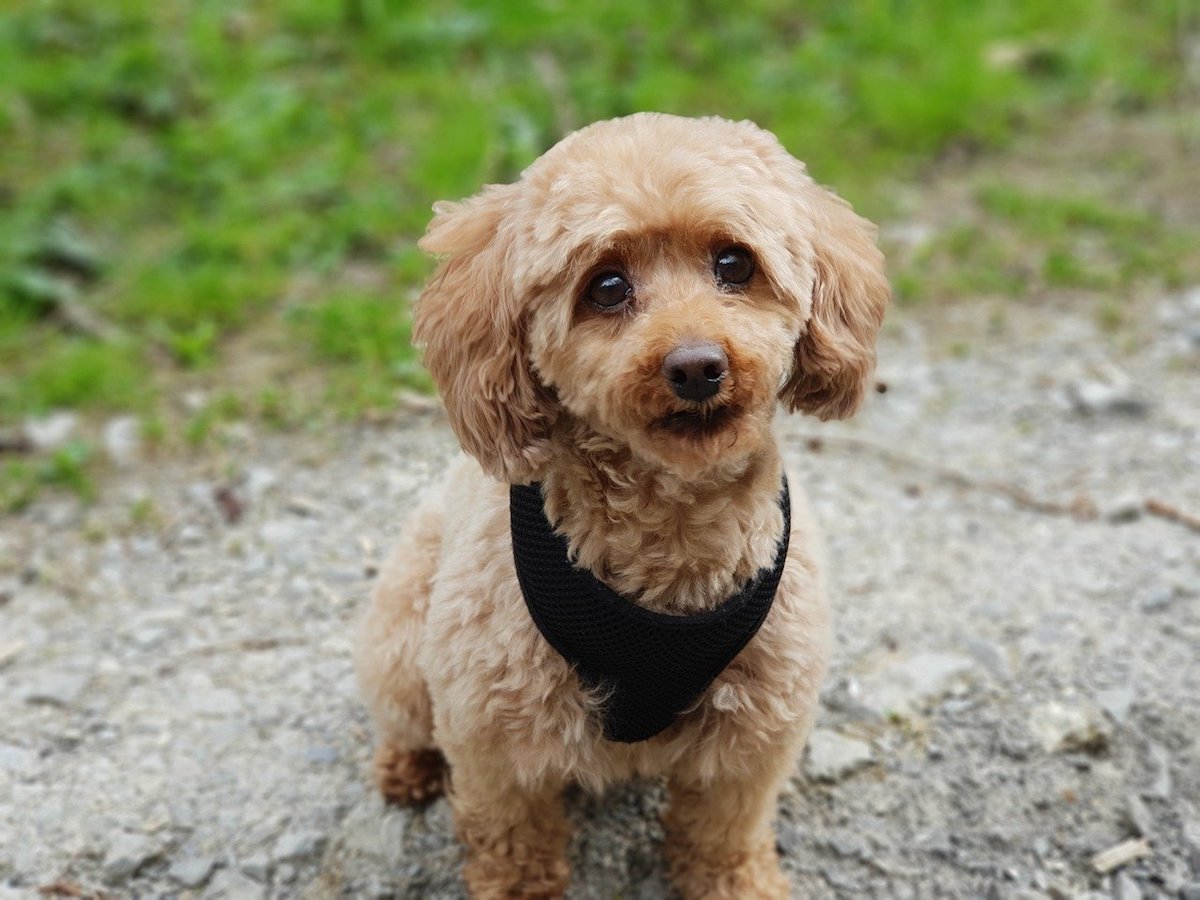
1123	509
230	885
127	853
182	813
413	402
1116	702
1158	598
1125	888
147	637
296	846
258	482
191	535
214	702
194	401
9	650
17	760
257	867
321	754
904	687
989	656
1110	392
57	688
1069	729
908	235
832	757
1190	891
192	871
51	432
1191	836
1161	788
123	439
1138	816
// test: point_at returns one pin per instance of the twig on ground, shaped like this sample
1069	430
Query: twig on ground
70	889
1120	855
1081	508
1172	514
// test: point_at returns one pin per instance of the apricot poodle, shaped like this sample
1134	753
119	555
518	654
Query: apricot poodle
616	329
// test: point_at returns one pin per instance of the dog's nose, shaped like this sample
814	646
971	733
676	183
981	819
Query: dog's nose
696	369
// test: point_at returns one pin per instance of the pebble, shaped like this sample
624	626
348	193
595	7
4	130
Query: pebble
1116	702
902	688
832	757
1123	509
258	481
229	885
51	432
191	535
321	754
299	845
123	440
1191	836
215	702
192	871
1138	815
1190	891
1160	789
57	688
126	854
1112	392
1060	728
989	656
257	867
1158	598
1125	888
17	760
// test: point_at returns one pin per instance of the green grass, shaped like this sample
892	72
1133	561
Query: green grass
1018	243
185	170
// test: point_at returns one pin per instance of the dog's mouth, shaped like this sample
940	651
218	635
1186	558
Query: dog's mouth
700	422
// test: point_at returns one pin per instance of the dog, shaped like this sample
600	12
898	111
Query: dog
614	332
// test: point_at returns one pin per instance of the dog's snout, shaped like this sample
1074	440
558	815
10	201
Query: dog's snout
696	369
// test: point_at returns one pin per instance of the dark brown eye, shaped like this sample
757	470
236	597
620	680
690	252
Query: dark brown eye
733	265
608	290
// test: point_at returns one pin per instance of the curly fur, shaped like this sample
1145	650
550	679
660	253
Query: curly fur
540	385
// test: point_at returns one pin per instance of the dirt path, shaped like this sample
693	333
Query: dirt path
1012	691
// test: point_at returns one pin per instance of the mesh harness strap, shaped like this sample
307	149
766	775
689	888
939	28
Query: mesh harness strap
651	665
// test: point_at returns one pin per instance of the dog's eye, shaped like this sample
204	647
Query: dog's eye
608	290
733	265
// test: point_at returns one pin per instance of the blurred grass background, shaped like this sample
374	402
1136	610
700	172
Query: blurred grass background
220	201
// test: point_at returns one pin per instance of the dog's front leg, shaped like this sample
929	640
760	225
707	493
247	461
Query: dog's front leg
516	836
720	842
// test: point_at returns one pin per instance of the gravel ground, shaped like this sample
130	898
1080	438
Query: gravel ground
1012	691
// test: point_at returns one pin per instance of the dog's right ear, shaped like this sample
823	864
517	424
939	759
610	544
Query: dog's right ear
470	323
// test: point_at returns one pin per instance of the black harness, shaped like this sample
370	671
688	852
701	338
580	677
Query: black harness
651	665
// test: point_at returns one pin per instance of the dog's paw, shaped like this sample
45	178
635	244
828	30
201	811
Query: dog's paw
410	777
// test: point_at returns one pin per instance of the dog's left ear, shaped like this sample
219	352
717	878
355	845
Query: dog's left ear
835	357
471	321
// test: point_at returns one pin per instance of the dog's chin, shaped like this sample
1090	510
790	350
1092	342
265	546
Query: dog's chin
698	443
698	424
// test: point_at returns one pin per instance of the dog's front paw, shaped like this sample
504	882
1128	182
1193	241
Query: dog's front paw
410	777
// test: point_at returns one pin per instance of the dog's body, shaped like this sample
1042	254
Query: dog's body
643	406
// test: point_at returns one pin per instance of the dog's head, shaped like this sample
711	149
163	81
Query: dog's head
664	280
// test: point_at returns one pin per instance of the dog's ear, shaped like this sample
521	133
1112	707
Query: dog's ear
470	323
835	357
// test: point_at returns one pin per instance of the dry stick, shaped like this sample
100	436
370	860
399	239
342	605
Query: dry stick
1080	508
1172	514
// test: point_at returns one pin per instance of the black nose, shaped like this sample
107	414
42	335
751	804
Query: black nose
696	370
